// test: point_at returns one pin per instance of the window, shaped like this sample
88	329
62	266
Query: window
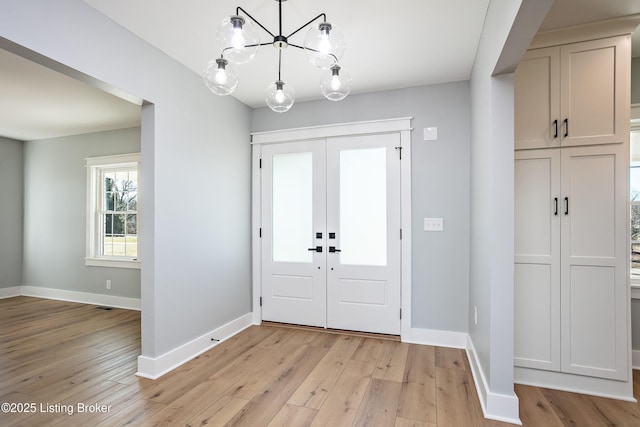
634	195
112	211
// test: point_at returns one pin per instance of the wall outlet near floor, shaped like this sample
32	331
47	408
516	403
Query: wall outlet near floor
108	284
475	315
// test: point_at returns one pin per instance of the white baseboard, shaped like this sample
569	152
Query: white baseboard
437	338
11	292
635	359
82	297
495	406
154	368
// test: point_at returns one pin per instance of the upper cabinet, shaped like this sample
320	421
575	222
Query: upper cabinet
573	94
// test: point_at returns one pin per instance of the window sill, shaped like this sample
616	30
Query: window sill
635	291
112	263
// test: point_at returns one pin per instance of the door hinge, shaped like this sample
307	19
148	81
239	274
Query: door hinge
399	151
260	301
260	232
400	314
260	163
401	234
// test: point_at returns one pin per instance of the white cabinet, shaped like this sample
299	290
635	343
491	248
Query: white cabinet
537	259
574	94
571	260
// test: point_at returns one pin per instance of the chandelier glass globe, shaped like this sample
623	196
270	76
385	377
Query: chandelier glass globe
324	44
238	39
220	77
280	96
336	85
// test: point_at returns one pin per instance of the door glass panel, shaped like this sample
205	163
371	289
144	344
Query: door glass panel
363	206
292	207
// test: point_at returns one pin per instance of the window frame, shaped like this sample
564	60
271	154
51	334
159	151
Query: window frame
95	166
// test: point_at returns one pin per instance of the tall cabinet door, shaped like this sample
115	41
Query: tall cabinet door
537	99
594	261
537	259
595	91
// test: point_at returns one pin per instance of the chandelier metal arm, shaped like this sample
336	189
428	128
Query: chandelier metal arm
238	9
313	50
322	15
249	45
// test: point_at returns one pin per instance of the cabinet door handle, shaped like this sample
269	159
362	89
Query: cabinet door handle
566	128
555	200
555	124
566	206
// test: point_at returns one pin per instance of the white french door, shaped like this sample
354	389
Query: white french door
331	233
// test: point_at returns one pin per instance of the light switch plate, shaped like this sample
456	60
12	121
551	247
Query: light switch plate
431	133
433	224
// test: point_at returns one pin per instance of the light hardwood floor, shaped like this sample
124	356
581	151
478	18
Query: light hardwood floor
54	352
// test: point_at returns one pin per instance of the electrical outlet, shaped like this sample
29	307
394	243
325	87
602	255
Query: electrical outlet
433	224
108	284
475	315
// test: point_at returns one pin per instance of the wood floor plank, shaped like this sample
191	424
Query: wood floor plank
293	415
183	408
403	422
257	377
418	394
175	384
217	413
534	408
453	358
369	349
61	352
263	407
342	404
579	409
392	361
457	402
380	404
314	390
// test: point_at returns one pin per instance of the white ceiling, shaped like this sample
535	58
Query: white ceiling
37	103
389	45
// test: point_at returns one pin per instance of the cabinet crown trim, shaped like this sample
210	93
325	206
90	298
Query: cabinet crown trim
595	30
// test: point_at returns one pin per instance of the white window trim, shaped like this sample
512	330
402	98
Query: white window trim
93	164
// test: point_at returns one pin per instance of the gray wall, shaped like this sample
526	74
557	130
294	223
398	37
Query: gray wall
508	30
635	80
440	179
55	186
11	154
195	273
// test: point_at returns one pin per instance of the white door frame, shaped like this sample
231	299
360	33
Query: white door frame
399	125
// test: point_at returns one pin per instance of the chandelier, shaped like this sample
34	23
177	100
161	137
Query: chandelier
239	40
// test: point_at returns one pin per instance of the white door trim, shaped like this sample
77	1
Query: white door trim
400	125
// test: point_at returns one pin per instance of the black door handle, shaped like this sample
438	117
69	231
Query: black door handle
316	249
555	200
334	249
555	124
566	128
566	206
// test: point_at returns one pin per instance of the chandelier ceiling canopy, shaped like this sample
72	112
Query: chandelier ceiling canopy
239	42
